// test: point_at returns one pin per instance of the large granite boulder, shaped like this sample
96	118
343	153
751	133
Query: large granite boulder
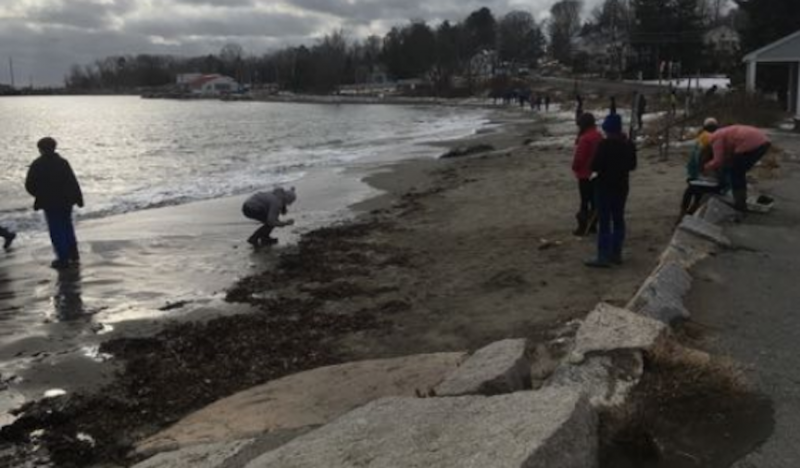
554	428
306	399
501	367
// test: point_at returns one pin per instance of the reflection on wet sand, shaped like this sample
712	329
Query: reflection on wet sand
67	301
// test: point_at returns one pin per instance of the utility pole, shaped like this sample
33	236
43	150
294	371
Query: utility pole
11	70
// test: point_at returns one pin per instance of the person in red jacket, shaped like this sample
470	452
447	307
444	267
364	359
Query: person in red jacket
588	140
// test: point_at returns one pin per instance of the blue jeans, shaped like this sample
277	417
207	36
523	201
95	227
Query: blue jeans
62	233
611	217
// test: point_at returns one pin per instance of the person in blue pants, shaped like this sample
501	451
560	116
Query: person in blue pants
56	190
614	160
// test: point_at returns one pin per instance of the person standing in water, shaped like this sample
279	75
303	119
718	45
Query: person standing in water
266	208
56	190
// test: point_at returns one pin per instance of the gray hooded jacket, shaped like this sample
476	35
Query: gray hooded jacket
271	203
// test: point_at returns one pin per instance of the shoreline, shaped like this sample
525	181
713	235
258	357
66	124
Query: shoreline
416	271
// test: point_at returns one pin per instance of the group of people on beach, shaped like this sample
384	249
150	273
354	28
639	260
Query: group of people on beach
56	191
602	164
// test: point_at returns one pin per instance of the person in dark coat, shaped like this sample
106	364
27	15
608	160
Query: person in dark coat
8	237
55	188
613	161
641	109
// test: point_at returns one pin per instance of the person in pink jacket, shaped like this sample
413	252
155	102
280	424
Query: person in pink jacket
738	148
588	139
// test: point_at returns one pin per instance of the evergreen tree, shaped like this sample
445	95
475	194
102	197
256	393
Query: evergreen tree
768	21
667	31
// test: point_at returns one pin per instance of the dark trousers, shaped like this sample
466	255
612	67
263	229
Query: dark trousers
264	231
611	214
693	197
586	189
62	233
741	165
5	233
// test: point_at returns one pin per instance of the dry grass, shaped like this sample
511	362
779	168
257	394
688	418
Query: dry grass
678	413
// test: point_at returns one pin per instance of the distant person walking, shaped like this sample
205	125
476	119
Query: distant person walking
673	102
578	107
641	109
612	107
266	208
547	103
55	188
614	160
738	148
588	140
8	237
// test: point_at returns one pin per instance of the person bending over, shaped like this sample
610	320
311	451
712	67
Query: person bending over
266	208
614	160
738	148
698	185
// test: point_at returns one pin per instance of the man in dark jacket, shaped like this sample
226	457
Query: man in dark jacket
52	183
614	160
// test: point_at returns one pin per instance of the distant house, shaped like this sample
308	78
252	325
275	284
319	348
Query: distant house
783	53
208	85
597	52
723	40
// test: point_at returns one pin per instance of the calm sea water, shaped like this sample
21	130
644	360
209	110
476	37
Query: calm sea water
132	154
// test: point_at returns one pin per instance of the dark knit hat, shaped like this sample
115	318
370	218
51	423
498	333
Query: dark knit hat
612	124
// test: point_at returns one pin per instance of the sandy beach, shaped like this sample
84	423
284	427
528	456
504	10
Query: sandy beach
452	254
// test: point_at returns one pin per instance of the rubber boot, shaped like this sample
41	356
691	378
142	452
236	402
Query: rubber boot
740	200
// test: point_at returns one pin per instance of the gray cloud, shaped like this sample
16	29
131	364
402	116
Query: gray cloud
219	3
45	37
238	23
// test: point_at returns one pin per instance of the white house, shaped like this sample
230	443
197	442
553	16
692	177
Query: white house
723	39
208	85
785	52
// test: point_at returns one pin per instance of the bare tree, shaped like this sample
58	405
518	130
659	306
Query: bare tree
565	24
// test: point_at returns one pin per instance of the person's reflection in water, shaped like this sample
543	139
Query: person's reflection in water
67	301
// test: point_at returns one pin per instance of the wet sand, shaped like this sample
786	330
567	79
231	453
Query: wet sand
456	254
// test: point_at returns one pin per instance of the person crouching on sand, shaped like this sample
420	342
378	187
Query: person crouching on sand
588	140
614	160
266	207
55	188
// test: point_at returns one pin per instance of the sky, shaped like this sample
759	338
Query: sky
45	37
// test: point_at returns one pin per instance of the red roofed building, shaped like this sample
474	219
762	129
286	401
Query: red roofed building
210	85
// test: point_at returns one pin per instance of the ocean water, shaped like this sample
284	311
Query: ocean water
132	154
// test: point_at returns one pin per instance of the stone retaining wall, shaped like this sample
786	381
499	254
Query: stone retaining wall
483	412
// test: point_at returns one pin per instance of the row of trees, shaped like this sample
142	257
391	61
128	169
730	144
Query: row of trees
414	50
634	35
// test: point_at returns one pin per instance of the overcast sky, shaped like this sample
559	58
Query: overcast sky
45	37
